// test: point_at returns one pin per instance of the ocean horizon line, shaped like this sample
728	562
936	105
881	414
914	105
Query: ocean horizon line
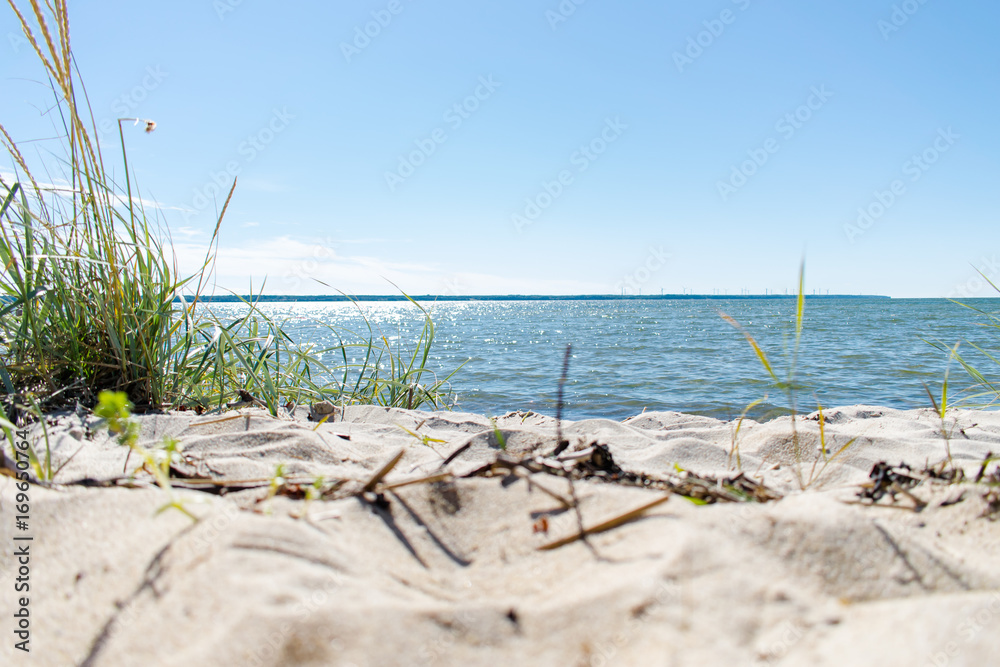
272	298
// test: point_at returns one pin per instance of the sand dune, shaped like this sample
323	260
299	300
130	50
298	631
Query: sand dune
451	571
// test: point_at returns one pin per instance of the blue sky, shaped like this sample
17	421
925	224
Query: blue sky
475	147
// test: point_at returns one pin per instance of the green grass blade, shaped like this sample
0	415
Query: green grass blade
753	343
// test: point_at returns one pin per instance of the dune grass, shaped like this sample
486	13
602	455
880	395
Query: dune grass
807	472
985	393
985	390
91	297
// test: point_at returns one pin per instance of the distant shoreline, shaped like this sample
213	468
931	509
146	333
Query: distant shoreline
265	298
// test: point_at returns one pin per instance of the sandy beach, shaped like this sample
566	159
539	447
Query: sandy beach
464	566
271	281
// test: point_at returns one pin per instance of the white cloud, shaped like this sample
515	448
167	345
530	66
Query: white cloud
293	266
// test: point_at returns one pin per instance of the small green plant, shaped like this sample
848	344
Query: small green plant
315	490
170	451
115	410
824	452
498	434
941	407
278	481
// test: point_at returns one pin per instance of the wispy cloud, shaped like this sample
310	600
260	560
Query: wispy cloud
294	266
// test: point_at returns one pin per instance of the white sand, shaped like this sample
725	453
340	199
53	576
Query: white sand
451	573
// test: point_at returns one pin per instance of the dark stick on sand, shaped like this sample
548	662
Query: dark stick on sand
560	443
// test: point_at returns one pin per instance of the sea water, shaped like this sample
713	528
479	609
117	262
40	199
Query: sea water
635	355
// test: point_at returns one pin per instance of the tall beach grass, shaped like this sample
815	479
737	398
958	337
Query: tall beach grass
92	297
812	455
985	389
